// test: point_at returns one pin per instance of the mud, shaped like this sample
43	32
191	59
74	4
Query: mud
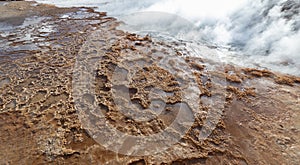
258	120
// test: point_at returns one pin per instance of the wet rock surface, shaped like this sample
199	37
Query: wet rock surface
255	114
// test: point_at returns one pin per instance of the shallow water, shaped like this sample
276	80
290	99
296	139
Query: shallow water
26	36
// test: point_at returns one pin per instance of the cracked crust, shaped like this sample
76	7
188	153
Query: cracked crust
39	123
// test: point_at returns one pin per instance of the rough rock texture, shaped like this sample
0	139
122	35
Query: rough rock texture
257	121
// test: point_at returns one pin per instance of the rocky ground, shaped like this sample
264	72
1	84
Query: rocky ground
256	119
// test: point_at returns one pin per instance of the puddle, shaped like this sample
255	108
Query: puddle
3	3
4	27
31	21
11	104
28	36
23	47
4	82
13	21
79	15
46	29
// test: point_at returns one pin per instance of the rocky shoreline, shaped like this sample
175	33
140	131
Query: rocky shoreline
39	123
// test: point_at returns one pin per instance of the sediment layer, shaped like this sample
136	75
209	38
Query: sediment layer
258	111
